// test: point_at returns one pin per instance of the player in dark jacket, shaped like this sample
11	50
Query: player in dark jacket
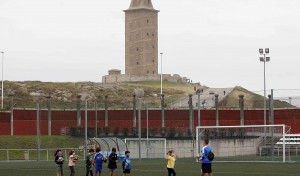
59	160
113	159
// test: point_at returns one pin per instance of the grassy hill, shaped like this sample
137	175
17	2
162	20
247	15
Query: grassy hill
251	100
63	95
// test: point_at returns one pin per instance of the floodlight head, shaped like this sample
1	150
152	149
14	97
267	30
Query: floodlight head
267	59
267	50
261	59
261	51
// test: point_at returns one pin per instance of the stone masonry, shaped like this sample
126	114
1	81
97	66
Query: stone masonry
133	78
141	47
141	41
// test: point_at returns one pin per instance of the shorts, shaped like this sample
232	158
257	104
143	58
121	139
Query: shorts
60	168
206	168
112	170
126	171
98	168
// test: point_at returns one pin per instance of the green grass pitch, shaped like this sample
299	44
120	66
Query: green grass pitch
156	167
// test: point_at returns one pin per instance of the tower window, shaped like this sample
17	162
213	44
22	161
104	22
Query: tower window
152	35
147	34
137	49
152	46
147	71
153	61
137	63
148	1
147	21
153	72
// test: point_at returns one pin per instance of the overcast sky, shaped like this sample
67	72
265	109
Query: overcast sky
214	42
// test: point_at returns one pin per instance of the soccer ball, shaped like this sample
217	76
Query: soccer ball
76	157
104	159
198	158
61	159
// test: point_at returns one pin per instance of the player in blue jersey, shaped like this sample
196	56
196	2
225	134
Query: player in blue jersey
126	164
98	161
206	162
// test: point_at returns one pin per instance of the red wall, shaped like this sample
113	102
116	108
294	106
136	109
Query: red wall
25	120
4	123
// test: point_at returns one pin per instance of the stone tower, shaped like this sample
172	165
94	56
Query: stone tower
141	41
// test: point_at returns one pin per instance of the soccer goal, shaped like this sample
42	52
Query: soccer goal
257	143
150	148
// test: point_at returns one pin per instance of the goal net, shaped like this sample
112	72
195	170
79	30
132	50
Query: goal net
257	143
150	148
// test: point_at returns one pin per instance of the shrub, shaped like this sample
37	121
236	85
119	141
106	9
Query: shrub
222	132
241	133
98	131
76	131
231	132
163	132
189	133
153	132
214	134
144	132
180	134
91	131
133	131
172	133
206	134
125	131
116	131
106	131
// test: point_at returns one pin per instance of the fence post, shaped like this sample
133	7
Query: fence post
49	114
66	155
106	111
242	116
78	101
38	132
271	120
11	115
7	155
86	126
134	111
191	113
217	108
96	119
47	154
163	112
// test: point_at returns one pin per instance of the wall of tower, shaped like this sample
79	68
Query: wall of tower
134	78
141	42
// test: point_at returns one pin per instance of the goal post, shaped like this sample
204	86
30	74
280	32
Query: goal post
250	143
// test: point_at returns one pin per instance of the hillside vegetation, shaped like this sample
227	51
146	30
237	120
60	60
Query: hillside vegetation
251	100
27	94
63	94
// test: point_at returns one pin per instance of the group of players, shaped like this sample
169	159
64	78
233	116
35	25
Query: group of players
205	159
94	162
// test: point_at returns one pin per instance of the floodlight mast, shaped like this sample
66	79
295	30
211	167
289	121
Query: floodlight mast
264	59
